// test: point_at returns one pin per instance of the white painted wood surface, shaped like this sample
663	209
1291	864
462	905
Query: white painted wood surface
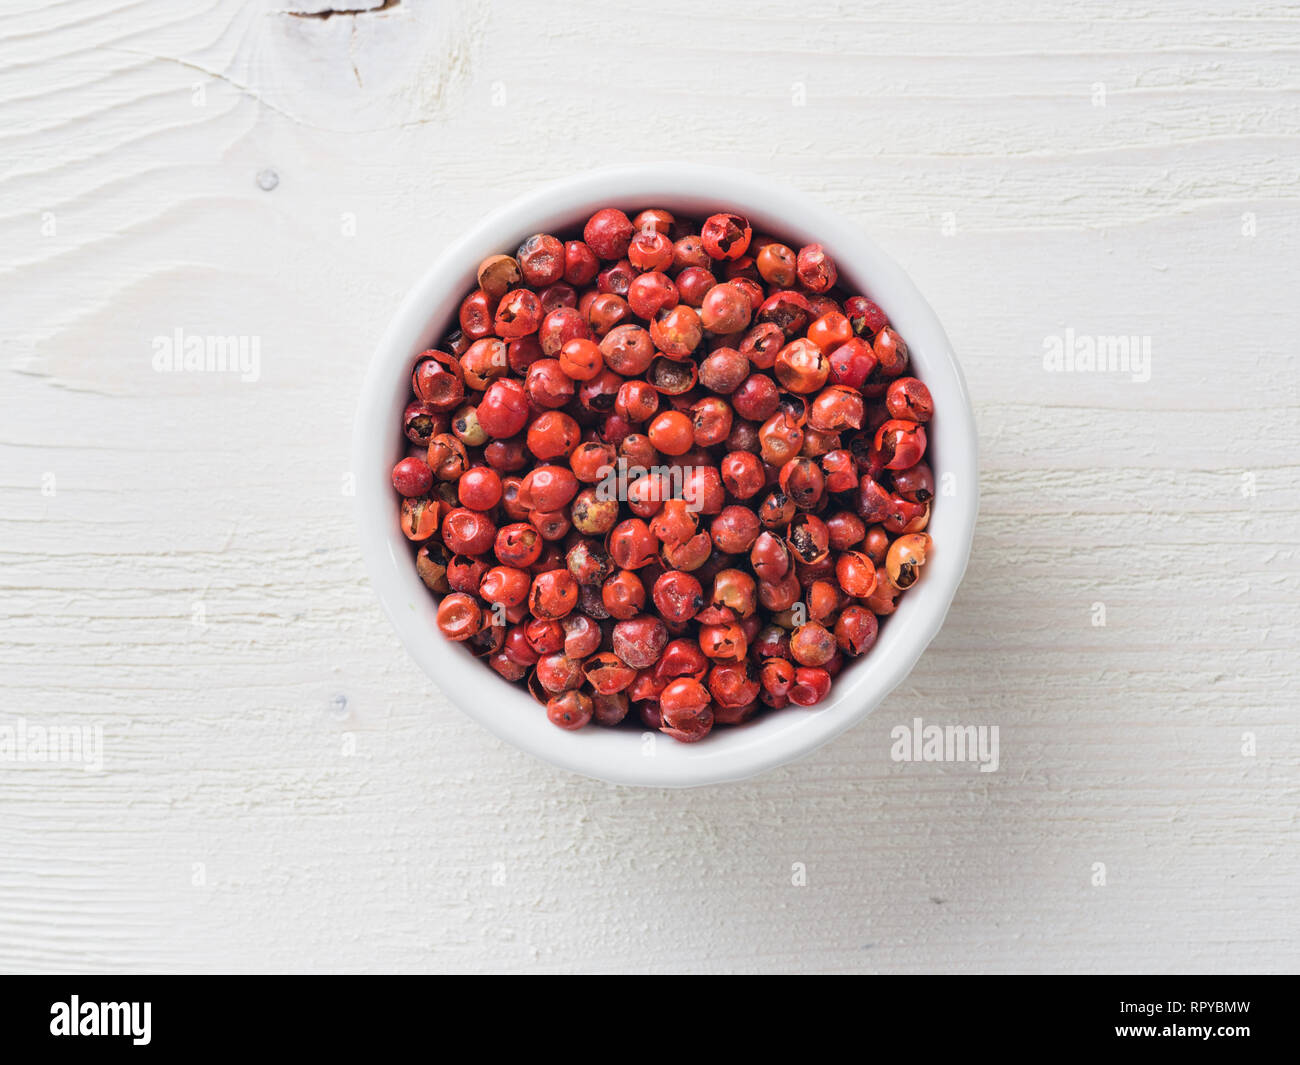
178	563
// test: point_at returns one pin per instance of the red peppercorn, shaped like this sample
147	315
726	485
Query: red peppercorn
702	488
479	488
779	439
671	377
694	283
468	532
639	640
689	730
654	220
856	630
677	596
589	563
906	556
836	409
808	538
734	530
725	309
761	345
476	312
580	263
710	421
891	352
677	331
865	316
672	432
581	359
607	675
675	522
549	487
411	477
776	510
682	698
503	411
464	574
518	314
815	268
636	401
899	444
788	310
776	265
904	516
607	311
650	250
504	585
742	473
483	362
856	573
851	363
541	260
616	278
459	616
723	642
757	398
420	422
627	350
418	518
801	366
570	710
553	434
598	395
553	594
631	544
734	595
548	386
518	545
636	450
437	384
723	370
726	236
497	274
623	595
608	233
591	461
915	484
802	480
811	685
650	293
908	399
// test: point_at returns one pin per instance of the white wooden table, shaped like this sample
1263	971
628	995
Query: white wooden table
283	790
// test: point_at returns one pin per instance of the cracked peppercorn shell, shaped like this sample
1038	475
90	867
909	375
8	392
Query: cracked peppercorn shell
906	556
498	274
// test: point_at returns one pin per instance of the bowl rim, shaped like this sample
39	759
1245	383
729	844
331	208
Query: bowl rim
734	753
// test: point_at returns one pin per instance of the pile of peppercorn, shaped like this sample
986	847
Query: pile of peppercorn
667	468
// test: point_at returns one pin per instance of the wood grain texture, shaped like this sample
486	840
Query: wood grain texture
283	790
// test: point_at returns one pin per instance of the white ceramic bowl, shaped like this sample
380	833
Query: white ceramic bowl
628	755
